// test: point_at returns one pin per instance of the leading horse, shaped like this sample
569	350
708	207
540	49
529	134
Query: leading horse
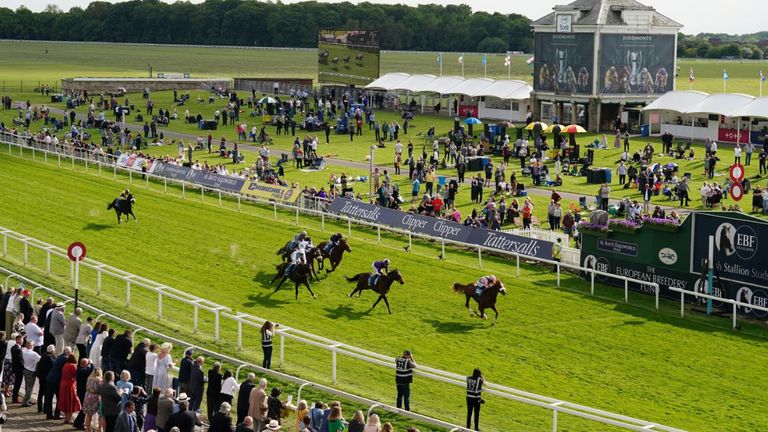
382	286
123	206
487	299
334	257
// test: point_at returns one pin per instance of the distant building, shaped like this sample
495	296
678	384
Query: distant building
593	57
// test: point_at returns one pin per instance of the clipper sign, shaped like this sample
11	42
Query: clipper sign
442	228
740	247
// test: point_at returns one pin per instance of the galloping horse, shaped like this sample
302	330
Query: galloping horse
359	56
300	275
383	285
487	298
335	61
123	206
335	256
347	59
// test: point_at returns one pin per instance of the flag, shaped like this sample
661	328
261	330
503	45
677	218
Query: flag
507	60
692	77
530	60
439	59
762	77
461	59
725	75
484	61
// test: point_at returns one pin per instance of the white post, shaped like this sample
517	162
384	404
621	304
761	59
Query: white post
130	176
48	261
554	420
282	350
98	282
626	290
517	258
682	304
657	288
219	199
26	252
238	203
183	189
165	185
216	325
378	235
77	279
410	241
592	283
58	155
442	253
322	222
297	215
480	256
734	316
349	228
160	304
194	319
146	177
333	367
274	207
558	274
202	194
239	335
128	293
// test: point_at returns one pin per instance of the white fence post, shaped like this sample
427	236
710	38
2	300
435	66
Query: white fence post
130	176
160	304
26	252
682	304
282	350
734	315
128	293
349	228
333	367
480	256
165	185
238	202
98	282
274	210
297	216
48	262
322	222
202	194
558	274
216	325
378	235
183	190
410	241
626	291
239	335
219	199
517	259
194	319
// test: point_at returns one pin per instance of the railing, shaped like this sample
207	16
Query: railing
734	303
570	255
238	363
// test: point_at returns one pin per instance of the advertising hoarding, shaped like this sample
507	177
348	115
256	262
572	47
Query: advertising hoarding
348	57
636	64
563	62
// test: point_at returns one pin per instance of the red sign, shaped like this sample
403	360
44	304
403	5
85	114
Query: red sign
730	135
76	251
737	192
467	110
737	173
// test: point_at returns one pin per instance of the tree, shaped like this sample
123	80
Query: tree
493	45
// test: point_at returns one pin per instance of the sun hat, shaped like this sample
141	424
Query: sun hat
183	397
273	425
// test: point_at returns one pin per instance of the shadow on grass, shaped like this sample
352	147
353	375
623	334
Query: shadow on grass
630	323
347	313
457	327
267	299
263	278
98	227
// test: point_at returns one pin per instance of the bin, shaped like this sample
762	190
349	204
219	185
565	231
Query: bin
645	130
608	175
484	162
441	180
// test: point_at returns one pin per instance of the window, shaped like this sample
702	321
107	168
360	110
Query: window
496	103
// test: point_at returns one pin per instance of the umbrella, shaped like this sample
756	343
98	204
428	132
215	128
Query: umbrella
531	125
506	124
472	121
551	129
572	129
267	100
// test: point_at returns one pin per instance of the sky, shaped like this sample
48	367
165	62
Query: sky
697	16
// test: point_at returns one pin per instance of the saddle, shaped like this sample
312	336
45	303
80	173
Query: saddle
372	279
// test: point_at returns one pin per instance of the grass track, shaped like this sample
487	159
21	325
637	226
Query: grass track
556	342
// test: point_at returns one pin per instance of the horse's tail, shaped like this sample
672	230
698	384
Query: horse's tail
459	288
111	205
354	278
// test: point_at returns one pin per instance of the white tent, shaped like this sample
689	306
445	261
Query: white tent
474	87
443	85
390	81
758	108
471	86
506	89
724	104
415	83
678	101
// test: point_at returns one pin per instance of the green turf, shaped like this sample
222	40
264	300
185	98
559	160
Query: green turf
558	342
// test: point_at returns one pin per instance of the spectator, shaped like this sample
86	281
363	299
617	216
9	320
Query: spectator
316	416
44	367
125	387
110	401
184	419
258	404
164	410
67	400
163	363
57	325
246	425
84	371
81	342
137	366
196	383
214	388
150	419
92	397
387	427
336	420
185	368
403	378
121	348
302	410
357	424
222	421
273	425
126	421
72	329
274	405
34	334
228	387
242	397
98	343
106	359
374	424
30	359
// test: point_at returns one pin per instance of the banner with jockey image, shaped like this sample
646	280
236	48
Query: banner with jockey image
442	228
636	64
272	192
563	62
133	162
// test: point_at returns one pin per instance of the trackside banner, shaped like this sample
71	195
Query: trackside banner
442	228
271	192
208	179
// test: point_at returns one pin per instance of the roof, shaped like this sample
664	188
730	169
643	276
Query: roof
605	12
474	87
724	104
678	101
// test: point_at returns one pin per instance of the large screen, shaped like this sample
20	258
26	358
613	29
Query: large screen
637	64
563	62
348	57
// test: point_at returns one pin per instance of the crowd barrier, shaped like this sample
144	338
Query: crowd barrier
242	319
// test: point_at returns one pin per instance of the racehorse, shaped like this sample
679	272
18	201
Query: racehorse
347	59
359	56
335	256
335	61
383	285
487	298
300	275
123	206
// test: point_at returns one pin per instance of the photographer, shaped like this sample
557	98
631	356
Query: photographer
474	399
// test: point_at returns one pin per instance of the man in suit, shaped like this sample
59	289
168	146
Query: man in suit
56	326
83	372
72	329
52	385
257	402
126	421
184	370
44	367
41	317
110	401
242	397
17	365
185	419
25	306
138	363
164	410
196	384
120	350
3	304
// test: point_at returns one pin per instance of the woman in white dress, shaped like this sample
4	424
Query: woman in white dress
164	362
95	354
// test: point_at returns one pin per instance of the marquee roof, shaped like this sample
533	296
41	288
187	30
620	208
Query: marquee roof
725	104
474	87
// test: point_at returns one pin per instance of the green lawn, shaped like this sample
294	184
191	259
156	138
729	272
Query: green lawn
558	342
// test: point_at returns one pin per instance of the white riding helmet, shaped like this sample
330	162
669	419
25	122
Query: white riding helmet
492	278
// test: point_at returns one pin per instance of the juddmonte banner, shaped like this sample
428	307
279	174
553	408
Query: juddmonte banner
204	178
133	162
442	228
637	64
563	62
740	247
271	192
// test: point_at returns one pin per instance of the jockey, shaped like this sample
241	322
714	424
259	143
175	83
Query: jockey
298	257
334	241
379	268
306	243
483	284
296	239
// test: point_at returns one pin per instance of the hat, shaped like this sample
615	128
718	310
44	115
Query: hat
273	425
225	408
60	306
26	293
189	352
183	397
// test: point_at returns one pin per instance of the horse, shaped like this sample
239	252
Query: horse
359	56
383	285
335	256
347	59
123	206
487	298
300	275
335	61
